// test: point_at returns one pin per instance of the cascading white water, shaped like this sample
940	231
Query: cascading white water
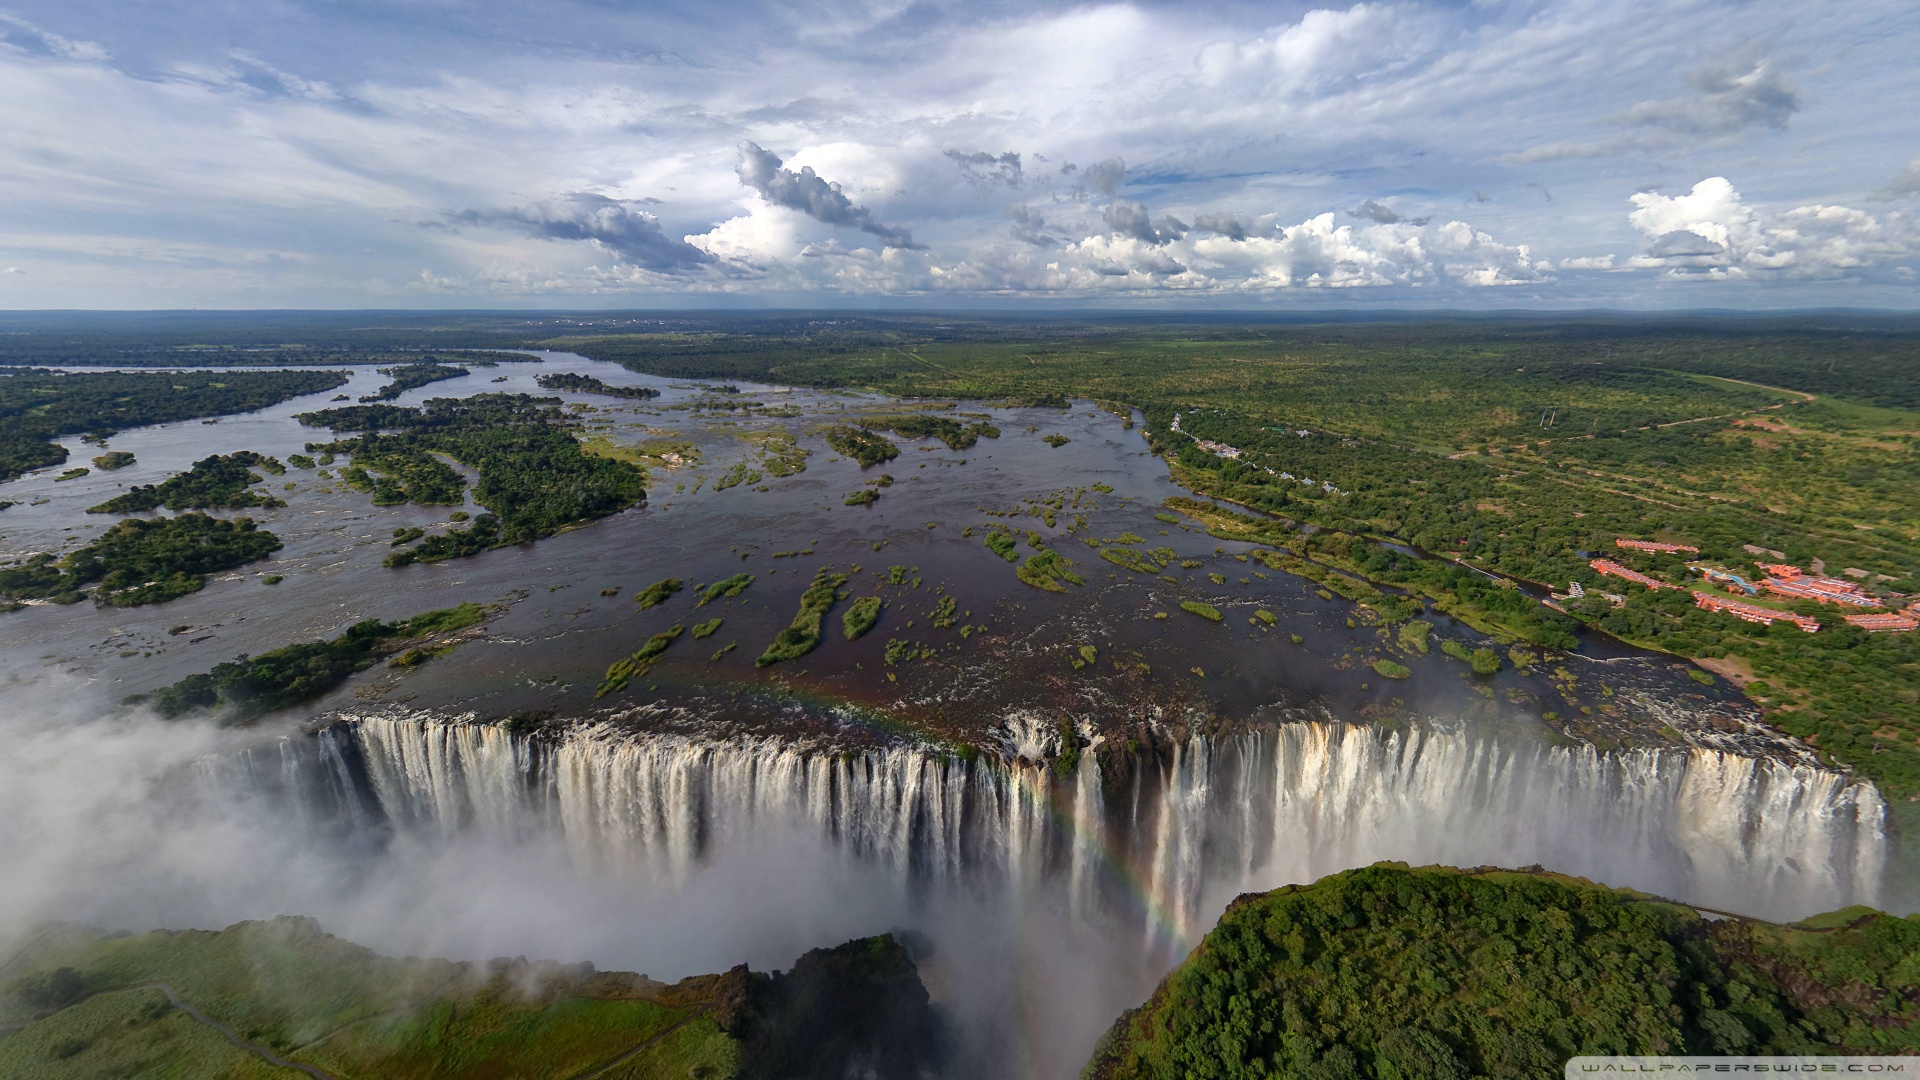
1250	811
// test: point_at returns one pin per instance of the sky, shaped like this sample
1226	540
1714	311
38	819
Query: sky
1499	154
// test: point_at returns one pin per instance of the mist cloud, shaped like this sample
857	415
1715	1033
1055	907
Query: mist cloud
807	192
1107	177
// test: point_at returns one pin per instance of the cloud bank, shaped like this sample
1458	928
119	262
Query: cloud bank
558	153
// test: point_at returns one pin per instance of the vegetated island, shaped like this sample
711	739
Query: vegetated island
219	482
37	407
139	562
413	376
860	444
83	1004
1457	459
535	479
587	384
1436	973
252	686
799	638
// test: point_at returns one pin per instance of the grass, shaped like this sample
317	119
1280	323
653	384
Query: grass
1391	670
860	617
1048	570
1205	611
801	635
657	593
326	1003
725	588
621	671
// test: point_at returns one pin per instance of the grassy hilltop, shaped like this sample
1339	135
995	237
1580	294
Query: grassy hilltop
1438	974
282	999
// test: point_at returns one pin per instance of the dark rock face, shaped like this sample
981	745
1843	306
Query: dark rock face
855	1010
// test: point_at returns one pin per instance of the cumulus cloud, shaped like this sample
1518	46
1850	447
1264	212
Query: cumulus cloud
807	192
1230	225
1384	215
614	225
1029	226
1711	231
1313	254
1723	99
984	170
1128	218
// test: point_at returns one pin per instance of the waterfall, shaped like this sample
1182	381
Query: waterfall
1165	843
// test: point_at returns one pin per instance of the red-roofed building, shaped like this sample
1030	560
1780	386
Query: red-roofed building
1823	590
1780	570
1880	622
1613	569
1752	613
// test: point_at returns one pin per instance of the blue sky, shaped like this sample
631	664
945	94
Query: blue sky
1483	153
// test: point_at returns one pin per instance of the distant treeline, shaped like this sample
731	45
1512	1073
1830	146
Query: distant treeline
38	407
587	384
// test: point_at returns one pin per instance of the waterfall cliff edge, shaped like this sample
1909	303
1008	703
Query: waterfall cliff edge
1164	840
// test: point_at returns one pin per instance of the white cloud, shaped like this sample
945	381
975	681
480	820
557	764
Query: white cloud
1712	231
353	146
20	35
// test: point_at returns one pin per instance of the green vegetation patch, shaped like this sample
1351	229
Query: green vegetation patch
81	1005
724	589
38	407
113	459
587	384
1266	616
141	562
706	629
214	483
641	661
861	616
862	497
1205	611
1390	972
1049	570
244	688
1389	669
659	592
1414	635
1131	560
861	445
1056	441
1003	545
800	636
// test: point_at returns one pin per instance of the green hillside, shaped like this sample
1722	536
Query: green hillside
1434	974
283	999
